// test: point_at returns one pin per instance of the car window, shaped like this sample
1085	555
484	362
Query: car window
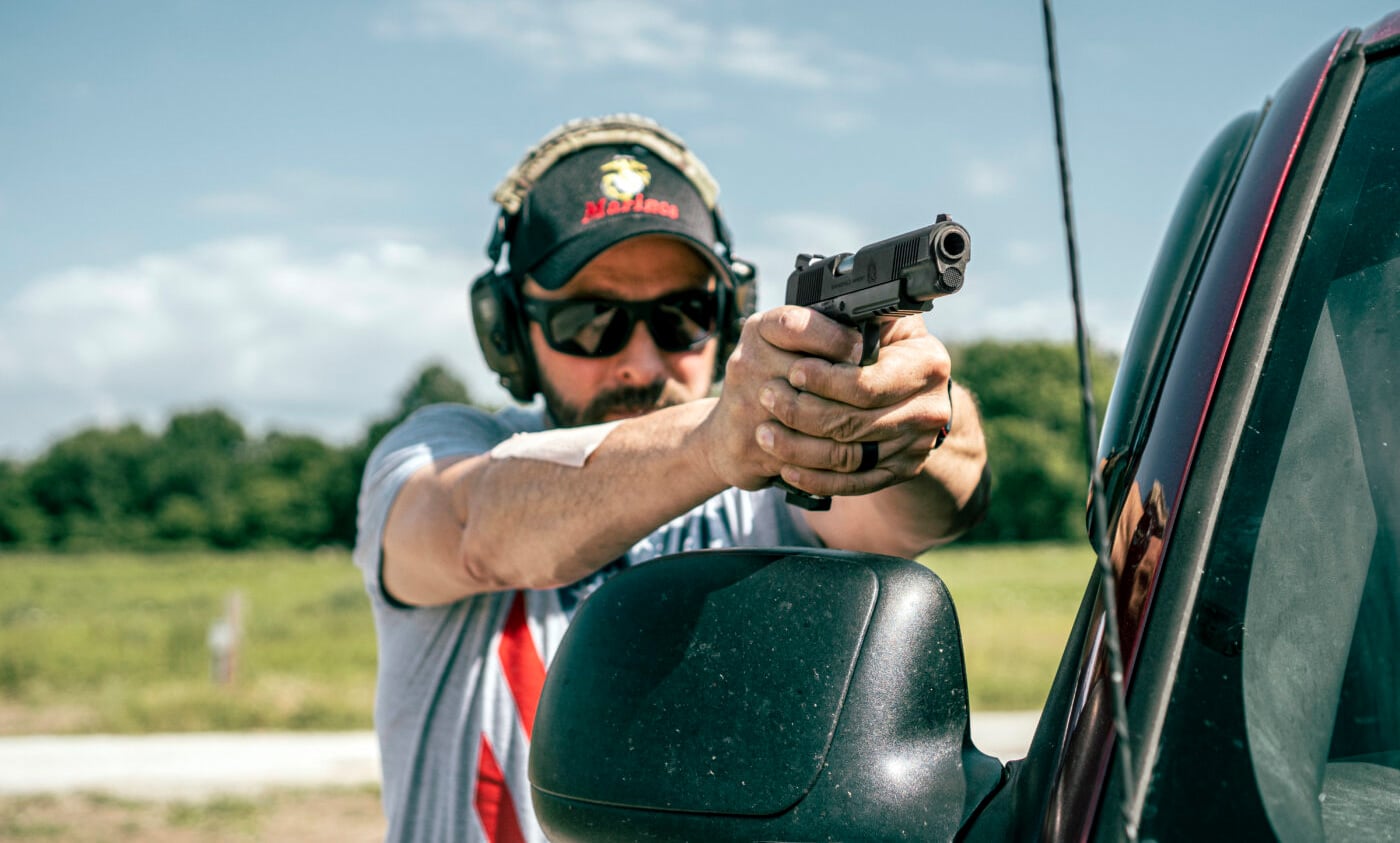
1287	700
1322	712
1323	535
1164	303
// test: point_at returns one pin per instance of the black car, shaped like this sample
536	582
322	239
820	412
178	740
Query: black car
1251	462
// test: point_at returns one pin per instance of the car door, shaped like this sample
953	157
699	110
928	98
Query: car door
1248	457
1282	717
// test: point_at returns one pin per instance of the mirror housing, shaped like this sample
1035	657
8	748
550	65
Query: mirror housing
780	694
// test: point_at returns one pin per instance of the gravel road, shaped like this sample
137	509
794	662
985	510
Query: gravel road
189	766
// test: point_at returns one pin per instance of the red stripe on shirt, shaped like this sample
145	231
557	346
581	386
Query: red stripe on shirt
521	662
493	802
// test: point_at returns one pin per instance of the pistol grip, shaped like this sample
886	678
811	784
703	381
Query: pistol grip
869	342
805	500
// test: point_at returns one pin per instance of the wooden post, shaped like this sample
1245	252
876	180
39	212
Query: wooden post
225	636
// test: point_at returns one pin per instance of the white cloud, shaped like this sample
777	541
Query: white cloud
352	235
1002	298
838	120
949	69
986	179
289	190
760	54
283	339
317	186
781	237
646	34
1005	307
238	203
1029	254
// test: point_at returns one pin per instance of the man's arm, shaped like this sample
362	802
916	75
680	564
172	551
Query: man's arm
915	497
469	525
941	502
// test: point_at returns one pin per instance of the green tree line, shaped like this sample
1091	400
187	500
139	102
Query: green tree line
1032	414
204	481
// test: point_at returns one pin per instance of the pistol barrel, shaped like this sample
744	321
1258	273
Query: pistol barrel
894	277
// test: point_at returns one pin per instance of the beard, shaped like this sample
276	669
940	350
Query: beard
631	400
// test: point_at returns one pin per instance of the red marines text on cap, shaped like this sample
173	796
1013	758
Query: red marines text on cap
624	179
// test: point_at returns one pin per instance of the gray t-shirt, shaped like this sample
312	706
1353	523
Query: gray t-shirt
458	683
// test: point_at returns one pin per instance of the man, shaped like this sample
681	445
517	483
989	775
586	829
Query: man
623	306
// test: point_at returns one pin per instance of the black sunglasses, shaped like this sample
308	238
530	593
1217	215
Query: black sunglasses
602	327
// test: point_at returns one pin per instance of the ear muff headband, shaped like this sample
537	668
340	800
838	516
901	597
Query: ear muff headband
500	324
603	131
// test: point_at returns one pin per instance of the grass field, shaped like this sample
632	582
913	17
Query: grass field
305	816
118	643
1015	606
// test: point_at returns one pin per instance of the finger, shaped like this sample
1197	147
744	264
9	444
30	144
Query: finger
803	451
832	483
755	360
817	416
904	328
902	370
897	461
804	331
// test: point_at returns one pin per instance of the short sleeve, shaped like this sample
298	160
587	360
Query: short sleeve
429	434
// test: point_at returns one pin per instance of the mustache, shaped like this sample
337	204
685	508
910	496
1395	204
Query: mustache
626	399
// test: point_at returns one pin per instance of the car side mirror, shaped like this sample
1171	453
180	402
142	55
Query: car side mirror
759	695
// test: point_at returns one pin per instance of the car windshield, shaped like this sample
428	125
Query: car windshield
1314	501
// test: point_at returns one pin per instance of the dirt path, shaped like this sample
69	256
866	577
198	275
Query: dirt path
321	816
203	787
186	766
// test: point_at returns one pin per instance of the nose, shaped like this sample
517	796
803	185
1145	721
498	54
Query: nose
640	362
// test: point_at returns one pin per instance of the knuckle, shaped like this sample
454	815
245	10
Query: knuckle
735	366
935	356
801	408
785	448
790	317
844	427
787	406
824	483
750	329
930	413
871	391
847	456
806	372
745	352
929	368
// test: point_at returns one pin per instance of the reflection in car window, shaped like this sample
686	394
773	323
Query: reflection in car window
1321	697
1321	538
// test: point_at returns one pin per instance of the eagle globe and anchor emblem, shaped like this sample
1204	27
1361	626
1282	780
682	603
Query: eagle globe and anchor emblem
624	178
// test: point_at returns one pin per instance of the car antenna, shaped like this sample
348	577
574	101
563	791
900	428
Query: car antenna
1097	506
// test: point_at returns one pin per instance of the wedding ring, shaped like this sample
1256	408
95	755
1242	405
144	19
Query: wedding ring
869	455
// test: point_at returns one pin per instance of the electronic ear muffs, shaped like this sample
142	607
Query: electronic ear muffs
500	326
494	295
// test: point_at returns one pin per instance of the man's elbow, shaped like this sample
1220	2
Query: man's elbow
974	510
486	565
961	518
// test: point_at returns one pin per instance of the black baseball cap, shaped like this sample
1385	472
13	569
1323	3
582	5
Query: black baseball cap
597	197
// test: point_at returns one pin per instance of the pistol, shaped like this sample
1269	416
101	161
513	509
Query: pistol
899	276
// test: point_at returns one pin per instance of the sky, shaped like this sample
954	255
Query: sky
276	208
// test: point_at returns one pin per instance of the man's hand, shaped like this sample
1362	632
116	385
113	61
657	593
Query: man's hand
824	407
740	433
797	404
